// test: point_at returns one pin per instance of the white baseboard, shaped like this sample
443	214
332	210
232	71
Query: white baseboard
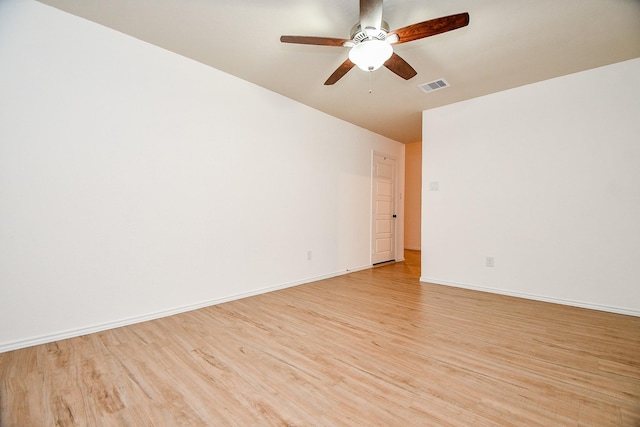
413	248
72	333
581	304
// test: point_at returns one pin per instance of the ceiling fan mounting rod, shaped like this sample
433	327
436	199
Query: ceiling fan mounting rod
371	14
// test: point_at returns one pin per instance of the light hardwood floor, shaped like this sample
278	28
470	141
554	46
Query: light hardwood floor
372	348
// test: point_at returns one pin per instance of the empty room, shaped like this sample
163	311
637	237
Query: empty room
306	213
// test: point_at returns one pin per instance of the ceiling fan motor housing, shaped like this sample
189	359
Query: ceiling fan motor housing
358	34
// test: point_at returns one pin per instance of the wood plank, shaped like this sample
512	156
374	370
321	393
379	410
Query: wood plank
375	347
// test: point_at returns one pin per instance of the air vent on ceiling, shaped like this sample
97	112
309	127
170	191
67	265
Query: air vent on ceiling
434	85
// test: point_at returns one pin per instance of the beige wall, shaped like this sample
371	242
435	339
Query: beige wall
413	195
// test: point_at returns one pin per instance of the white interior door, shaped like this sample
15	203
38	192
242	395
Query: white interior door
383	218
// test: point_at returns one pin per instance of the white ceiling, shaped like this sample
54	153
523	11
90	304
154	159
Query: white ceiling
508	43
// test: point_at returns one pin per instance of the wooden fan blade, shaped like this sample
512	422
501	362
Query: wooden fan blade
320	41
430	28
400	67
339	72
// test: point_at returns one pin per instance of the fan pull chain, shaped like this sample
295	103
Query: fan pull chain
370	82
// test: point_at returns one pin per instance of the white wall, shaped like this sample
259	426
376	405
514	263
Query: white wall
413	195
545	178
135	183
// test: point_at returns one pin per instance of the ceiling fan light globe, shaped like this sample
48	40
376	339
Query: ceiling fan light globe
369	55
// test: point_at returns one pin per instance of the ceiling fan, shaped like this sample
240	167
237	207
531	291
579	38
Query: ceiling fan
371	41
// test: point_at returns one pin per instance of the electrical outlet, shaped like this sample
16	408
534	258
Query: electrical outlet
308	255
489	261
